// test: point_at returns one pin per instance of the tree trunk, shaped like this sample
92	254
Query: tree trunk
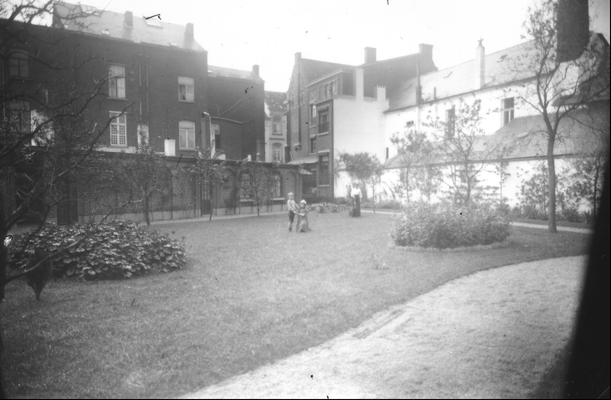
146	211
551	181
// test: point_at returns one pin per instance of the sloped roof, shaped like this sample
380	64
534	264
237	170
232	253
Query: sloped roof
111	24
314	69
276	101
214	71
460	78
525	137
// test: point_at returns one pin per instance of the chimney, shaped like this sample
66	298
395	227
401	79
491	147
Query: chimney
370	55
129	19
426	50
572	25
359	86
480	65
297	57
255	70
189	30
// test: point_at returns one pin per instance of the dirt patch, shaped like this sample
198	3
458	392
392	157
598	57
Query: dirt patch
492	334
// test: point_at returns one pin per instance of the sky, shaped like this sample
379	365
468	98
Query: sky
241	33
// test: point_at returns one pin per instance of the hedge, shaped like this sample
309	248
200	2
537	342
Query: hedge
116	250
423	225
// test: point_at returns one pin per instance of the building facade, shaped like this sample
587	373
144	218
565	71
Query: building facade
335	108
275	127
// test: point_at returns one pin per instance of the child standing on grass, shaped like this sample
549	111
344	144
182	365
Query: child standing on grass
292	207
302	217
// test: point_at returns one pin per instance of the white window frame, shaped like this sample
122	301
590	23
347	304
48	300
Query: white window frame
116	81
508	113
186	89
277	152
186	135
19	64
118	125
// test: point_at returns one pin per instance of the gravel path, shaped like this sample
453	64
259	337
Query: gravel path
492	334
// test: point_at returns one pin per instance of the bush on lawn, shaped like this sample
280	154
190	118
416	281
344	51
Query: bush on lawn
423	225
116	250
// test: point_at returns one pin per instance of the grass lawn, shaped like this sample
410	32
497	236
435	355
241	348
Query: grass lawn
252	294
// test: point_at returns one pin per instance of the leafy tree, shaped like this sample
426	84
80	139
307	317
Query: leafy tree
256	182
418	171
208	168
361	167
460	146
556	88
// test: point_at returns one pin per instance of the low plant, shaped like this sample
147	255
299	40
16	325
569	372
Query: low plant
422	225
116	250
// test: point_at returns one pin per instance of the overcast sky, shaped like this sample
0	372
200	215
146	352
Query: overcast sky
240	33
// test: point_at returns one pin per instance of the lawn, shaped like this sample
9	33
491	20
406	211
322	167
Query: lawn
252	294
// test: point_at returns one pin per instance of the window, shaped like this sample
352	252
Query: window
116	80
276	126
332	88
277	152
507	108
323	121
19	64
313	145
186	89
324	176
245	186
301	98
313	119
216	131
277	186
118	129
186	135
20	116
450	122
409	125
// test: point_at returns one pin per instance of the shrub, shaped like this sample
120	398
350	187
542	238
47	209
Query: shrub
428	226
116	250
331	207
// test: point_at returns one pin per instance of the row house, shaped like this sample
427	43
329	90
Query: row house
236	105
338	108
275	126
158	89
497	81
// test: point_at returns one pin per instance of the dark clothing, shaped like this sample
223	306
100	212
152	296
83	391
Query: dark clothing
356	208
291	216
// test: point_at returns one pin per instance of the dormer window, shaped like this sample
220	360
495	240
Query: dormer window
507	109
153	21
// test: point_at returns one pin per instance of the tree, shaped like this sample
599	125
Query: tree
362	167
416	154
461	146
208	168
143	174
557	86
43	157
256	182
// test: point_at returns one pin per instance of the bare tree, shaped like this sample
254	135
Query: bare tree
556	88
462	148
208	168
256	182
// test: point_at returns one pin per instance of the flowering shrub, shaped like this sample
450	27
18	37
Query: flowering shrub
116	250
427	226
331	207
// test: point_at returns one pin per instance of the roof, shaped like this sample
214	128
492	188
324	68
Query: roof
304	160
223	72
111	24
460	78
276	101
313	69
525	137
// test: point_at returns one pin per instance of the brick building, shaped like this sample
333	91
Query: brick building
339	108
236	104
